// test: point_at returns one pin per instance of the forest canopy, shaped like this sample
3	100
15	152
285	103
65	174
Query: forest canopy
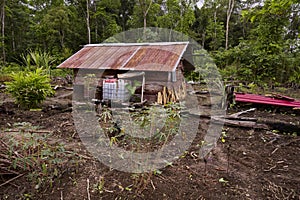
251	40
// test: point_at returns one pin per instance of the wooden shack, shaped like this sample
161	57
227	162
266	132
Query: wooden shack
149	71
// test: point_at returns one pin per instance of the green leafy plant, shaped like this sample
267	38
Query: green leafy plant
132	88
222	180
105	115
99	186
37	59
140	181
173	110
27	151
157	172
30	89
224	135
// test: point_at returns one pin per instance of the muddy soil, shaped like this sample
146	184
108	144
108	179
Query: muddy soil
246	164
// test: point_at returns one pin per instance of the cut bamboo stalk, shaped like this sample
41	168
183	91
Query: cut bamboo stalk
176	96
164	94
159	98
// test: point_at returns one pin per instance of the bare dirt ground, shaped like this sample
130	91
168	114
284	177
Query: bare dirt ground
247	164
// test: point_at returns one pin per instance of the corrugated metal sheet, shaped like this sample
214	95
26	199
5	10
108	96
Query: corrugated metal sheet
132	56
252	98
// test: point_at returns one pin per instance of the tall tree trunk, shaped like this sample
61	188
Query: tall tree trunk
13	40
3	31
96	23
62	38
145	9
215	30
145	25
88	22
229	12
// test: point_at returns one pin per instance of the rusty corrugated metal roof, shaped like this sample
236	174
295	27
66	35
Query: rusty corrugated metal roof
163	56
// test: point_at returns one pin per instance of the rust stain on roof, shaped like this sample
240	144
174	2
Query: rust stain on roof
133	56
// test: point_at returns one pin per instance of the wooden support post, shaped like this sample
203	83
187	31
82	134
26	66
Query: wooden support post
143	85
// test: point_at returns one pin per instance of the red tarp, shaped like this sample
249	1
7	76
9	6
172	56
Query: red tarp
276	100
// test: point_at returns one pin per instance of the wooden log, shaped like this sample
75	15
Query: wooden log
150	89
153	88
150	98
238	123
248	122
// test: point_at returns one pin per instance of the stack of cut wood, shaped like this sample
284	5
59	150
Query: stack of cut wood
171	94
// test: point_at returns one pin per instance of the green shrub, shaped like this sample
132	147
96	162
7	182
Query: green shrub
61	72
37	59
29	88
9	68
6	70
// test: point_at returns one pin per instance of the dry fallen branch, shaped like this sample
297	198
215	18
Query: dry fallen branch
6	160
236	115
27	131
6	171
88	189
10	180
270	169
290	142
